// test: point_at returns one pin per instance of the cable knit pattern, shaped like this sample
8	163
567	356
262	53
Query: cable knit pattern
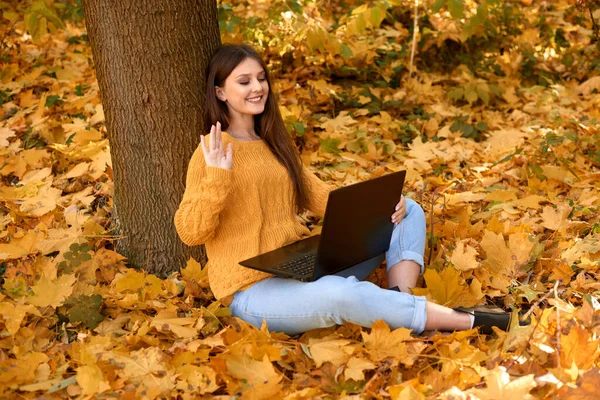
244	212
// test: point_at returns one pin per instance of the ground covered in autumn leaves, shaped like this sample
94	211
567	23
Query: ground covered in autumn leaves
505	162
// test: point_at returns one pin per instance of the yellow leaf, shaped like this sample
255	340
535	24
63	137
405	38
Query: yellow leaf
499	257
58	240
19	247
91	380
335	351
520	246
355	367
21	369
588	86
132	281
78	170
445	286
464	257
194	272
44	202
315	38
12	315
579	348
556	218
500	386
153	287
52	292
465	197
259	378
382	342
168	320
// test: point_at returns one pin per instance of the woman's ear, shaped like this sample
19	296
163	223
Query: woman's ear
220	94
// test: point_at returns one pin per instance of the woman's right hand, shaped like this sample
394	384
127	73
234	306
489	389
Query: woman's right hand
214	156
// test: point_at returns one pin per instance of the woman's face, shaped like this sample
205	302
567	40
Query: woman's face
246	89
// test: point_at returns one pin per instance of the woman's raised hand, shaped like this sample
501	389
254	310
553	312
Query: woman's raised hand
214	155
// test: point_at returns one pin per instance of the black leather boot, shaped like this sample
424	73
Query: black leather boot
485	316
488	316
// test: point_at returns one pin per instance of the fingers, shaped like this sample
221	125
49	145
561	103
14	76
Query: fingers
218	143
400	211
203	145
211	145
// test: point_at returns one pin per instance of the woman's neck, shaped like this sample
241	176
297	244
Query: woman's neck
242	128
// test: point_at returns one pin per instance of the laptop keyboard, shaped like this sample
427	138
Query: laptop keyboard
301	266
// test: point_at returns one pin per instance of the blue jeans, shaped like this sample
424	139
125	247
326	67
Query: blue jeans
293	306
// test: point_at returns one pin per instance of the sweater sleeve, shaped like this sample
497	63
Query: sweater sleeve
205	196
317	191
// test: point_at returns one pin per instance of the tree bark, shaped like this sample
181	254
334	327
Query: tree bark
150	58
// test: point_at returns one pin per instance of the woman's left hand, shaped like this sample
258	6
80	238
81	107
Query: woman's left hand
400	211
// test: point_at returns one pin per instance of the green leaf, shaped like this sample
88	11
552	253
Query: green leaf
299	127
52	100
437	5
11	16
79	90
482	92
456	94
456	8
376	17
330	146
86	309
345	52
471	95
42	8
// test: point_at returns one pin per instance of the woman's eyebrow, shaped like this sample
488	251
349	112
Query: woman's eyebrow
261	72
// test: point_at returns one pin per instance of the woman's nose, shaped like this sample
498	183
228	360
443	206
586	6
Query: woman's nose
256	85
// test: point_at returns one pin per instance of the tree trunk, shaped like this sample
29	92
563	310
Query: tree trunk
150	58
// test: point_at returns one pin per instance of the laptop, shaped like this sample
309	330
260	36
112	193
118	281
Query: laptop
357	227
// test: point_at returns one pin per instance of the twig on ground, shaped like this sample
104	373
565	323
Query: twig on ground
414	38
557	325
537	303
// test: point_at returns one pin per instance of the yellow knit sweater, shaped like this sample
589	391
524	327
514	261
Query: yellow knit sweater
242	212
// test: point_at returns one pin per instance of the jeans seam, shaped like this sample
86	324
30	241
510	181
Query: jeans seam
329	315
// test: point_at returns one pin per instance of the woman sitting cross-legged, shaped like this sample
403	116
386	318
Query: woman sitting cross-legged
246	184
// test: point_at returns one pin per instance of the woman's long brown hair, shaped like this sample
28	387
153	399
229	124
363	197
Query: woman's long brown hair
268	125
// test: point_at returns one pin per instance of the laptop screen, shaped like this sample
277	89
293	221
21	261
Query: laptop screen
357	224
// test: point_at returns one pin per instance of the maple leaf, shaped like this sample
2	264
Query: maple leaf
13	315
194	272
355	367
21	369
577	347
86	309
449	289
585	389
464	257
555	219
167	320
5	133
19	247
51	292
500	386
258	379
91	380
336	351
144	366
131	281
499	257
382	342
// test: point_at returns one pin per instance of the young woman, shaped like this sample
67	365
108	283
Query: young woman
245	186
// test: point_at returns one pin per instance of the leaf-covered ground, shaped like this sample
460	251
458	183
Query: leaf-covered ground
507	171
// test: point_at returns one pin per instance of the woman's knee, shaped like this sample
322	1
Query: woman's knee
413	209
337	293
